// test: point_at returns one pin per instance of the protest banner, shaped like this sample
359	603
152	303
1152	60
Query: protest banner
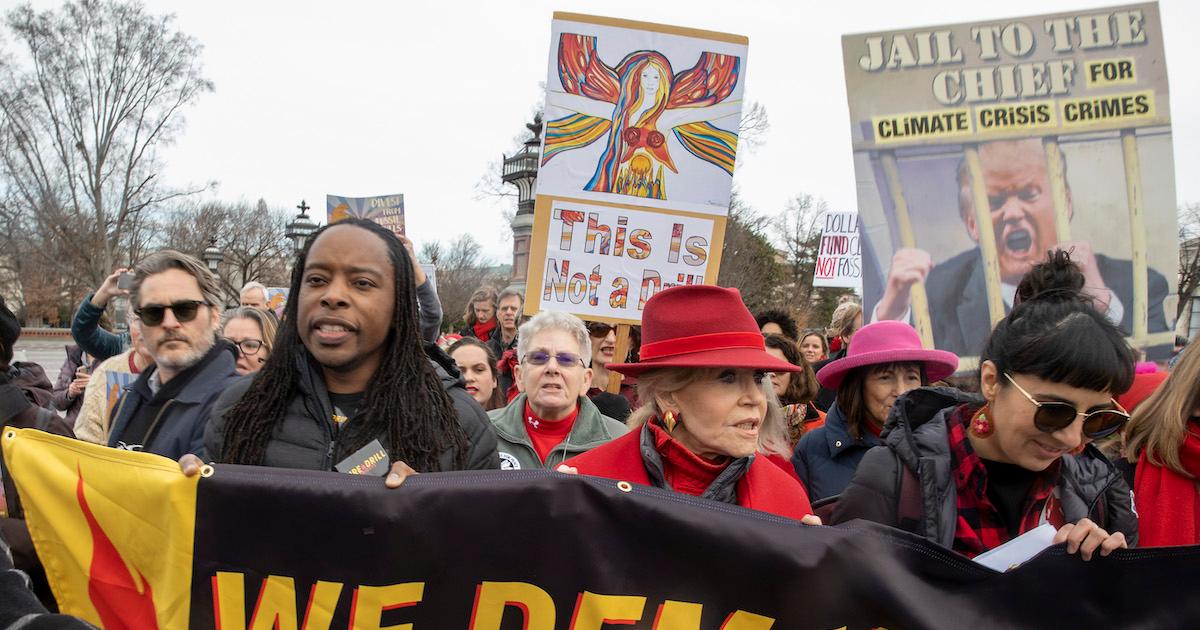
386	210
129	542
839	261
978	147
637	163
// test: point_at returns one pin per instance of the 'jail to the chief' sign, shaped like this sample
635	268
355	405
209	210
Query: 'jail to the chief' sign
608	261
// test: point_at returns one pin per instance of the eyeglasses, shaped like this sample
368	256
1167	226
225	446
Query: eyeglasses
599	329
1054	416
564	359
184	310
248	347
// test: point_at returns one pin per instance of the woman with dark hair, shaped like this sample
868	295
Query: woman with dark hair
884	360
350	370
795	390
777	322
477	365
1163	439
973	472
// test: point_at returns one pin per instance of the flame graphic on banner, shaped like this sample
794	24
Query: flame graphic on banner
111	587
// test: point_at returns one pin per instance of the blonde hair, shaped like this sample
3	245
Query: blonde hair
1159	425
842	322
772	434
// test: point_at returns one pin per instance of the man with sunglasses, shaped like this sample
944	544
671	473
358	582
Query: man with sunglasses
551	420
165	410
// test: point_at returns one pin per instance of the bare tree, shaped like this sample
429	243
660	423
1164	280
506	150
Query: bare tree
1189	254
251	239
101	87
749	261
753	128
461	268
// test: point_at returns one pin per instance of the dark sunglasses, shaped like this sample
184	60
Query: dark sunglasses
184	310
564	359
1054	416
248	347
599	329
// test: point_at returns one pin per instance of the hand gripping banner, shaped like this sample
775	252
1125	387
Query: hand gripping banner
128	542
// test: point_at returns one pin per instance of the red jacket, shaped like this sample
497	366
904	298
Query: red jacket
764	487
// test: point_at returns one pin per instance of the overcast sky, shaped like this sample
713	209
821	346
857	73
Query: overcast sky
368	98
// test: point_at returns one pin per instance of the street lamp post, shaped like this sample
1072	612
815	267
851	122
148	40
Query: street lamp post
300	228
212	256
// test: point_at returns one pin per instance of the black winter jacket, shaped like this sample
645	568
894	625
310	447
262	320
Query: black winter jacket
305	437
916	437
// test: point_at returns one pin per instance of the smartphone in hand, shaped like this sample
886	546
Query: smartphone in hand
125	281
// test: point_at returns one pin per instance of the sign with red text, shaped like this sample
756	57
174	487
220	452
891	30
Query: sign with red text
637	162
839	260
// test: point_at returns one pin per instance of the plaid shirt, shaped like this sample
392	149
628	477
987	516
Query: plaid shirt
979	526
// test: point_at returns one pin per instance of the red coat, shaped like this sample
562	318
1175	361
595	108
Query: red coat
764	487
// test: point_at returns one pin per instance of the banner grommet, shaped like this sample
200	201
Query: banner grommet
624	486
207	471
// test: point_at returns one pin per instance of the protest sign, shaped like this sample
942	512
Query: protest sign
978	147
386	210
129	542
640	143
839	261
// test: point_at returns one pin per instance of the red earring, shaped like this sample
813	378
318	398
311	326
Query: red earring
981	425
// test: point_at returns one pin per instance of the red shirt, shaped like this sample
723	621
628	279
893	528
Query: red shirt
979	526
683	470
546	434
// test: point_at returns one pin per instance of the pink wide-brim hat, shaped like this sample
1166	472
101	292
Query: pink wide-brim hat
701	326
887	342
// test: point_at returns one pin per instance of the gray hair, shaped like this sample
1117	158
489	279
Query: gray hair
555	320
167	259
253	285
509	293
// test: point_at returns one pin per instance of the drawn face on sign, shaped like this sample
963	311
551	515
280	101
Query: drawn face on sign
1022	207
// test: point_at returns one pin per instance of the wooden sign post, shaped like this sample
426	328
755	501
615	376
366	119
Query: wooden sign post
620	355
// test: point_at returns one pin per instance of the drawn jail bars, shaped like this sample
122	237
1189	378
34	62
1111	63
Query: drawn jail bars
1056	173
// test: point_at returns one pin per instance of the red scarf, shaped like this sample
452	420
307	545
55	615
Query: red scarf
483	330
685	471
1169	503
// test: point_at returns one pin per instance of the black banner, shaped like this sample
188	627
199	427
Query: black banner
539	550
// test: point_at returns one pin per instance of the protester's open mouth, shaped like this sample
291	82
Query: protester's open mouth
332	330
1018	241
748	426
472	390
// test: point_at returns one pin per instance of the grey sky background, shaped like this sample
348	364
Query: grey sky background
369	98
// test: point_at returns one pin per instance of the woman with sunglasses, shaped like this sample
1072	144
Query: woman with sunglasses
604	347
252	332
973	472
551	419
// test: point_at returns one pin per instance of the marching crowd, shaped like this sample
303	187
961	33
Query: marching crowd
1058	424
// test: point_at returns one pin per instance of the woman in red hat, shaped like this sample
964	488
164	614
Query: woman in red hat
702	383
972	472
1163	439
884	360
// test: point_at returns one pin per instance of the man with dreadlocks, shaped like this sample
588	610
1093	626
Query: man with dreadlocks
350	375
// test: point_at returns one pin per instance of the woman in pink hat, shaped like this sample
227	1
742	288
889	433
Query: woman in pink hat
702	383
884	360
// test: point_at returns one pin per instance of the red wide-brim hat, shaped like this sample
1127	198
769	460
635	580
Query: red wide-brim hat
883	343
701	326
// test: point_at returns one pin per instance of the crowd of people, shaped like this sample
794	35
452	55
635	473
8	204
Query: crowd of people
823	425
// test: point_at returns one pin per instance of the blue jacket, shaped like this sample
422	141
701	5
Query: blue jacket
827	456
179	428
86	330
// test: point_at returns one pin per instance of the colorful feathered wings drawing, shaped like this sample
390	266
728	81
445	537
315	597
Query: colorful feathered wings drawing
633	105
